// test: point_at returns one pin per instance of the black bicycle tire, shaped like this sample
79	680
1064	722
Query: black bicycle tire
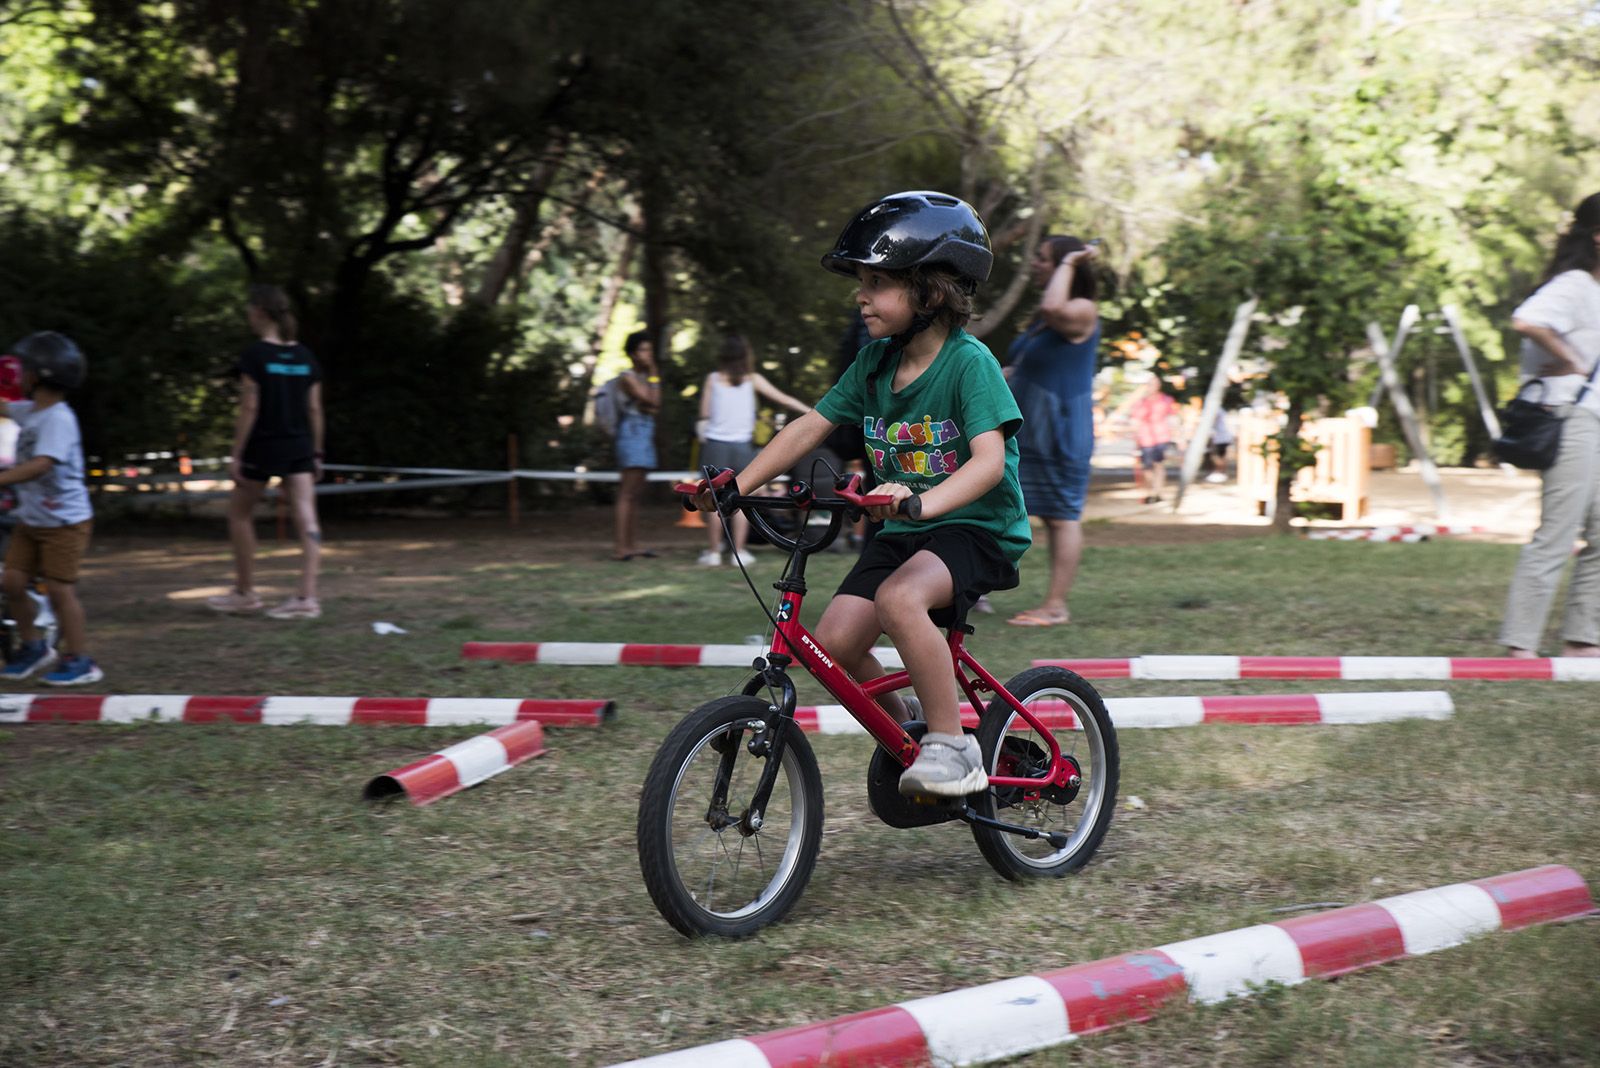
667	889
996	846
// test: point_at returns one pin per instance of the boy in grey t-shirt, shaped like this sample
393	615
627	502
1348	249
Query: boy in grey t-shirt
54	515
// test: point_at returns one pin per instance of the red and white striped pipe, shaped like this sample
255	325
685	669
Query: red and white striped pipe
1015	1016
1174	668
277	711
460	766
1420	532
1366	535
1138	712
626	654
1368	668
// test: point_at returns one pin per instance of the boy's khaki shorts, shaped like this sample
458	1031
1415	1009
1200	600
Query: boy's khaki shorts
51	553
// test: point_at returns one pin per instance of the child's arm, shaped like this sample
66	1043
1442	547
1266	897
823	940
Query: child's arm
784	451
646	391
314	413
705	397
1071	317
779	455
27	470
778	396
971	480
243	423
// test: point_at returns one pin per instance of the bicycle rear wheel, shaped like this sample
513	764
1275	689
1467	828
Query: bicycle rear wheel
1012	747
708	870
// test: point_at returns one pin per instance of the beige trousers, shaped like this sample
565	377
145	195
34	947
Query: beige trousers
1569	509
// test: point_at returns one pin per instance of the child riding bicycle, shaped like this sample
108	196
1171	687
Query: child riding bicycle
940	425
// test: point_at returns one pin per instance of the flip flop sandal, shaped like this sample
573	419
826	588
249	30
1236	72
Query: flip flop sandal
1037	619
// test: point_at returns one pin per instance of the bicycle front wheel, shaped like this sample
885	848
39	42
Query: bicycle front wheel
709	867
1080	814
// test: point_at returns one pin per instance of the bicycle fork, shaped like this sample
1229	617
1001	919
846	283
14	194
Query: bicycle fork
767	740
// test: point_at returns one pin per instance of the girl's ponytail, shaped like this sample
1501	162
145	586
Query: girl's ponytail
273	302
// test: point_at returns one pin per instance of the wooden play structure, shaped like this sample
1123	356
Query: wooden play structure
1340	476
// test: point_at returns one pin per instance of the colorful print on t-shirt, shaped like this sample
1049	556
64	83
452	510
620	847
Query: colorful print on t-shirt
899	451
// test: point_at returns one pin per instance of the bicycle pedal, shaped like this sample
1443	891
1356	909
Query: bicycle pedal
935	801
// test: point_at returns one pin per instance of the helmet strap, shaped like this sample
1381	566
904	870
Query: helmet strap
897	344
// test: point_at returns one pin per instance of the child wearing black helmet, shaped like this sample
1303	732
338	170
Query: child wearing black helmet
940	426
53	512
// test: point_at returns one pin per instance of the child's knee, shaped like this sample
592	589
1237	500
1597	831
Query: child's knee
847	644
899	604
61	593
13	582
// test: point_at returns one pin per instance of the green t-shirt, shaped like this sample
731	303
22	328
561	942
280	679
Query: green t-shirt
924	432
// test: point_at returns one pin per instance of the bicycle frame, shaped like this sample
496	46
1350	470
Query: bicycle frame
793	641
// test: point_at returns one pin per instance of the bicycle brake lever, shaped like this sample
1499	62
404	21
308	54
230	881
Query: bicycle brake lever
690	490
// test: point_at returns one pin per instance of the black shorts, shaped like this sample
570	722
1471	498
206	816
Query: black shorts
267	469
972	555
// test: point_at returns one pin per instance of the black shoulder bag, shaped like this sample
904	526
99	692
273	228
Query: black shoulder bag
1530	430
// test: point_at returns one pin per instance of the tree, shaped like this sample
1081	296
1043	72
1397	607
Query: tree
1323	254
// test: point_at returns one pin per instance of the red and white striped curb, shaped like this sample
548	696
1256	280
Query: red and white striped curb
1368	668
1421	532
625	654
1139	712
277	711
1015	1016
460	766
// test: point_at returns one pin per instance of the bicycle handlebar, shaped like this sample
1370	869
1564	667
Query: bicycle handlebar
849	502
800	496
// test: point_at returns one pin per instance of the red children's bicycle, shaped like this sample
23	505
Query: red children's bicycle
730	820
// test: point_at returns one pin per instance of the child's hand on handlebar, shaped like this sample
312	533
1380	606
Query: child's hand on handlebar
702	496
888	489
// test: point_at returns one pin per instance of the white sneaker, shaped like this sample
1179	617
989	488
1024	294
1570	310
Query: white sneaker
710	559
947	765
745	557
297	608
1215	477
234	603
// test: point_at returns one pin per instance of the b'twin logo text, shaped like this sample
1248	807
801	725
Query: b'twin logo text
822	656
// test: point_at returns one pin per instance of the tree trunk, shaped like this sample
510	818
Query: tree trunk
657	295
1283	506
508	257
608	305
1001	309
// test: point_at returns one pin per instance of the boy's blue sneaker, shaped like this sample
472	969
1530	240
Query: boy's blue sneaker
74	671
27	658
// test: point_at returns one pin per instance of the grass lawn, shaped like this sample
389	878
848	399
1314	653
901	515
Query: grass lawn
219	894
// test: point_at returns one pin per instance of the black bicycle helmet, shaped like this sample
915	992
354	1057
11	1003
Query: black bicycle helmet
914	228
54	358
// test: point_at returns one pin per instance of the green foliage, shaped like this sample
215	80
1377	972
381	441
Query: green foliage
584	167
159	338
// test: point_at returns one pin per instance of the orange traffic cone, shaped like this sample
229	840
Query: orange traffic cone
692	519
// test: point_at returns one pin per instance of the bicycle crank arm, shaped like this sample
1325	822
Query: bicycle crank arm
1055	838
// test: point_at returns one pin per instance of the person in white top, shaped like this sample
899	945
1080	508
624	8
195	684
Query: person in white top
1560	325
727	430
